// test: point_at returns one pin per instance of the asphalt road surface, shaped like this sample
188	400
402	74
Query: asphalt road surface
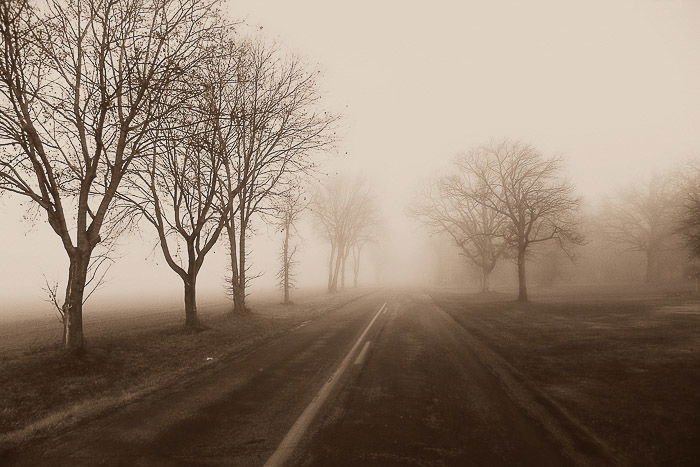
389	379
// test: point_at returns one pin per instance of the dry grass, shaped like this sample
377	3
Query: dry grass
627	369
45	389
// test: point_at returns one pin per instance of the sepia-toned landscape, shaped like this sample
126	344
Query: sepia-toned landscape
317	233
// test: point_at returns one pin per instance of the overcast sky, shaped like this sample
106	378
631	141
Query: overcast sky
611	86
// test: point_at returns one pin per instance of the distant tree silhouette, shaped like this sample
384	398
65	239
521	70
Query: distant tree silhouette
644	218
289	209
517	182
448	205
344	209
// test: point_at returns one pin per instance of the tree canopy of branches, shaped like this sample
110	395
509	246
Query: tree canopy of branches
518	183
278	126
81	86
447	205
178	188
643	218
346	214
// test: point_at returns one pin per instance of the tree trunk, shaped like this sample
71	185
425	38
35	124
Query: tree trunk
522	285
343	265
239	299
356	270
485	282
652	267
338	264
191	318
285	264
237	251
73	338
330	267
233	247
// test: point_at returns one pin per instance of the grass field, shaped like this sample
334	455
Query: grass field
129	354
627	367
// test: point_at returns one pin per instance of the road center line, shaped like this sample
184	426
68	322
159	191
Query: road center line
361	357
293	436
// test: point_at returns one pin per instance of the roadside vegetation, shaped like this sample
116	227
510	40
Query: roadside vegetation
44	392
162	117
154	115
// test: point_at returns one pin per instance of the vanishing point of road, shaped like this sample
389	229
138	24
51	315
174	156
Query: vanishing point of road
389	379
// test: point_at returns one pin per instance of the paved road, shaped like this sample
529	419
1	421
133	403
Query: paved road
411	393
423	398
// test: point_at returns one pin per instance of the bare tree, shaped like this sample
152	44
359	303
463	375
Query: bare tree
689	215
358	246
345	212
288	211
517	182
448	205
178	188
278	126
81	84
643	218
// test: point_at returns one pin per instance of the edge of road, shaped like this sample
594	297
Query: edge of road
578	442
73	417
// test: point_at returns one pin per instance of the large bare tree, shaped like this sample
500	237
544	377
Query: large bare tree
517	182
182	188
278	125
81	85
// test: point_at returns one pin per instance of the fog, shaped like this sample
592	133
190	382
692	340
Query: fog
610	87
279	233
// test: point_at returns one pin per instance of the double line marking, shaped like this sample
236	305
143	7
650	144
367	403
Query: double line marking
293	436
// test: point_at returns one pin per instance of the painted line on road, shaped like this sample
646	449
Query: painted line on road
361	357
293	436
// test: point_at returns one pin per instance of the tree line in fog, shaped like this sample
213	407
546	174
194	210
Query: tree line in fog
157	114
506	202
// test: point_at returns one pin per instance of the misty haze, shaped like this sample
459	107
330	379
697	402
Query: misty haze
266	233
